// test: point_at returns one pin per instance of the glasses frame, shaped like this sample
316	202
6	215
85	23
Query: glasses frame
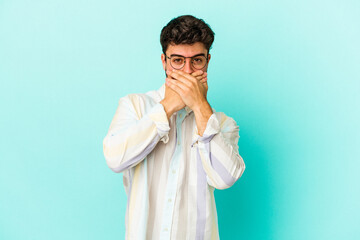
192	64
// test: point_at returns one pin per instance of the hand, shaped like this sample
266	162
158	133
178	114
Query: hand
199	75
202	77
172	101
191	90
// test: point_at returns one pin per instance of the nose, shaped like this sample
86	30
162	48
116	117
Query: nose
188	68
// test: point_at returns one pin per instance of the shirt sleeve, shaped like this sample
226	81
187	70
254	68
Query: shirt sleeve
217	149
134	132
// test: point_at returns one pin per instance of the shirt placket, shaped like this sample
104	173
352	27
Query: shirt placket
172	182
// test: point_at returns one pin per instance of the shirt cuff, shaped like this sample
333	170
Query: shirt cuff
159	117
212	128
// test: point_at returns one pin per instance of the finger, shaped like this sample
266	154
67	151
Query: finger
185	75
181	78
200	77
204	75
178	85
203	79
206	86
175	88
197	73
204	83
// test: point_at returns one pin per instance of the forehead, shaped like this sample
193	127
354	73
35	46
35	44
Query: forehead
186	50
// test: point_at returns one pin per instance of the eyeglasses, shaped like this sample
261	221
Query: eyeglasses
178	61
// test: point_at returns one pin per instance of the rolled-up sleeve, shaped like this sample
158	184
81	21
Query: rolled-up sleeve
218	152
134	132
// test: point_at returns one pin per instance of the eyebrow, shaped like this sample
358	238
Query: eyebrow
178	55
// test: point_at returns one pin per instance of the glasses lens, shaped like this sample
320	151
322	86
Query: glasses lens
177	62
199	62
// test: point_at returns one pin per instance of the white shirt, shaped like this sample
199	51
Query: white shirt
169	171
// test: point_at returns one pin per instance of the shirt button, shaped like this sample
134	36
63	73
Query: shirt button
169	200
179	143
180	115
165	229
173	171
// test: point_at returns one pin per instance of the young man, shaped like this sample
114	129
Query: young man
172	147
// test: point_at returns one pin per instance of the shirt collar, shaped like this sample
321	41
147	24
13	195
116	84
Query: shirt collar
161	91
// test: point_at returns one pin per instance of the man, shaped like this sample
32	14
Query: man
172	147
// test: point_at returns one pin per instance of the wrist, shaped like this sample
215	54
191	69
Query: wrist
203	109
202	113
168	107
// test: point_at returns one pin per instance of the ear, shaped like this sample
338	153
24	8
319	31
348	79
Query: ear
209	56
163	61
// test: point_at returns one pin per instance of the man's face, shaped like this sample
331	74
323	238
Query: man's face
185	50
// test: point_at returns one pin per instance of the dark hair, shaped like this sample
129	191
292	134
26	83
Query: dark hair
186	29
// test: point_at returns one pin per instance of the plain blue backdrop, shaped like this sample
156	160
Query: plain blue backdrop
286	71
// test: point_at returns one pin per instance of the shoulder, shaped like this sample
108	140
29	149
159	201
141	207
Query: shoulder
137	102
152	96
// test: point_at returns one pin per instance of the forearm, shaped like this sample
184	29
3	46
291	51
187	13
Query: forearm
218	152
168	107
129	141
202	113
222	163
127	148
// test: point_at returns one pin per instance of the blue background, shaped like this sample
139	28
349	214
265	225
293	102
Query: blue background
287	71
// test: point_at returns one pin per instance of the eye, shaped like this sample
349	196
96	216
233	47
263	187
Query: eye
177	60
198	60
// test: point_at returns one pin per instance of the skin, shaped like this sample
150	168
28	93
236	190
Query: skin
187	86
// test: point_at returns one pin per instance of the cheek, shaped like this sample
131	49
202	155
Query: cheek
168	66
